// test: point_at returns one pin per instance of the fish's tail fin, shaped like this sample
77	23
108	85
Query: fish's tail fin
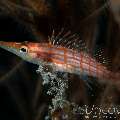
115	77
111	77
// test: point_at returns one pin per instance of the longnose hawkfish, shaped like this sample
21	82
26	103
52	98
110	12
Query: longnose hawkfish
64	59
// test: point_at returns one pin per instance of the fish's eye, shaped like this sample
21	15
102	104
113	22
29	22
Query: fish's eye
24	49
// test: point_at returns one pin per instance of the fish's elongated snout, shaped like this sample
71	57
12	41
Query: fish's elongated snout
20	50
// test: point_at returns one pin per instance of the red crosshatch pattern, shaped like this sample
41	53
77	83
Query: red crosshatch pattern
67	57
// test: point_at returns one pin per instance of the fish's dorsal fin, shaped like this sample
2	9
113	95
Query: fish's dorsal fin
68	40
100	56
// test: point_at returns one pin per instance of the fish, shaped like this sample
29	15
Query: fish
64	59
65	52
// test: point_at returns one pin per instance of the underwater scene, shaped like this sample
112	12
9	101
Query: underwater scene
59	59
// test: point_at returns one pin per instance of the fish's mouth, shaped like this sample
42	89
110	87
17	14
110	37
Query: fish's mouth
8	48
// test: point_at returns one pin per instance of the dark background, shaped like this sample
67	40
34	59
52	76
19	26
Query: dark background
22	97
